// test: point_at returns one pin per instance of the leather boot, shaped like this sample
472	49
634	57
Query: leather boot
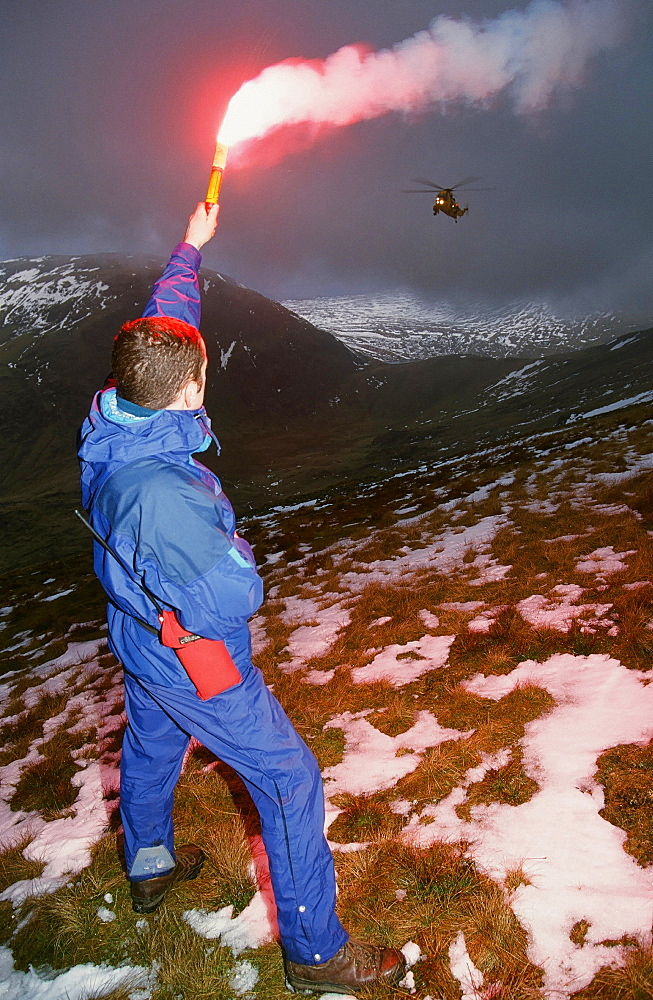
150	893
354	966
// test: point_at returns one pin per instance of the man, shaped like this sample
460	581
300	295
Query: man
172	534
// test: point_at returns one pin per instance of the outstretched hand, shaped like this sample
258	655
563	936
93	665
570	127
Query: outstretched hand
201	225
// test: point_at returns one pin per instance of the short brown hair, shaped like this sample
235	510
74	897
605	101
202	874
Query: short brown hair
153	359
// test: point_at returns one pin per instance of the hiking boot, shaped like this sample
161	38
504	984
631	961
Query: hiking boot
149	894
354	966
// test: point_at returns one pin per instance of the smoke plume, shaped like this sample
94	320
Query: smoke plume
529	55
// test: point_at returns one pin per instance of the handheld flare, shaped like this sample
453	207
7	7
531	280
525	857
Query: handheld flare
217	170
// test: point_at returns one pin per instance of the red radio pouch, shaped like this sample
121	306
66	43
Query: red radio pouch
206	661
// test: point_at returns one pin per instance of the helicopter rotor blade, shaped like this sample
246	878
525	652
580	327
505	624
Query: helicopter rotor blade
432	184
465	180
418	191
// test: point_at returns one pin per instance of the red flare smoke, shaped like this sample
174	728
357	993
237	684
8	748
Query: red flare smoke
532	53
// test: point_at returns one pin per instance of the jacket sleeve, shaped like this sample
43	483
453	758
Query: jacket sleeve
177	293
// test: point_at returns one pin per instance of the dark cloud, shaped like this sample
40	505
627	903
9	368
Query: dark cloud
109	113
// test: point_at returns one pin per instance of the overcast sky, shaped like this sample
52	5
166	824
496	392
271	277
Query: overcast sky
110	108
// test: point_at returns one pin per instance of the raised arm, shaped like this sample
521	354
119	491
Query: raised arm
176	294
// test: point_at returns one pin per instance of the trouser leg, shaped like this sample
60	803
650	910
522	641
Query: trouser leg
247	728
290	803
152	755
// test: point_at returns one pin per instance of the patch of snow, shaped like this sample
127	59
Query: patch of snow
225	355
463	969
541	507
370	762
486	619
249	929
619	404
411	951
78	983
318	677
541	612
408	982
444	553
402	664
624	343
62	593
429	619
23	276
29	298
309	641
462	605
244	978
258	633
578	868
65	844
604	561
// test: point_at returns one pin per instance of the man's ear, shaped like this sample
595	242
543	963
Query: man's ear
190	391
186	398
186	394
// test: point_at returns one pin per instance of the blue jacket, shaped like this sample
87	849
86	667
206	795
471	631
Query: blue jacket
165	514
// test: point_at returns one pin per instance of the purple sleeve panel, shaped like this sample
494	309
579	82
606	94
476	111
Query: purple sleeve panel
177	292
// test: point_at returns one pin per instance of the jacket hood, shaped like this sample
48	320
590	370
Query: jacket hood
110	438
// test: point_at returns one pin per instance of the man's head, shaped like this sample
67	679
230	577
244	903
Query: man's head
160	363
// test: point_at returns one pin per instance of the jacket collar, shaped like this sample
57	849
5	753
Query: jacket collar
111	438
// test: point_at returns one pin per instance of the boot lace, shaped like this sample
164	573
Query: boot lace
365	956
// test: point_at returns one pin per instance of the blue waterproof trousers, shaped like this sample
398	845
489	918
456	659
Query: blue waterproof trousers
247	729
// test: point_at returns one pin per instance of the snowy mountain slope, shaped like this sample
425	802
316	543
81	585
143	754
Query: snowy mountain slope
399	327
44	297
296	411
288	401
548	393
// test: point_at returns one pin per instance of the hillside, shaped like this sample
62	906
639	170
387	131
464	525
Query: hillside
293	407
467	649
297	412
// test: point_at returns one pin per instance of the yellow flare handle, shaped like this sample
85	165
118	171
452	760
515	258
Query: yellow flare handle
217	172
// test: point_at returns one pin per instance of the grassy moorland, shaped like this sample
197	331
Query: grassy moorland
394	620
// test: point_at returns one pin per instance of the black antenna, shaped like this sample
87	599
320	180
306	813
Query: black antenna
139	583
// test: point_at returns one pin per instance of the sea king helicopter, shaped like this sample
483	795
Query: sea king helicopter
444	196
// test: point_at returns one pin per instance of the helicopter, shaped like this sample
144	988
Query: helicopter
444	196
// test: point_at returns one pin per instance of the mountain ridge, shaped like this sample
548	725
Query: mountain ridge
398	327
296	410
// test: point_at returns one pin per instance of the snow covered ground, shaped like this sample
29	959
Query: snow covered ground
573	860
399	327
